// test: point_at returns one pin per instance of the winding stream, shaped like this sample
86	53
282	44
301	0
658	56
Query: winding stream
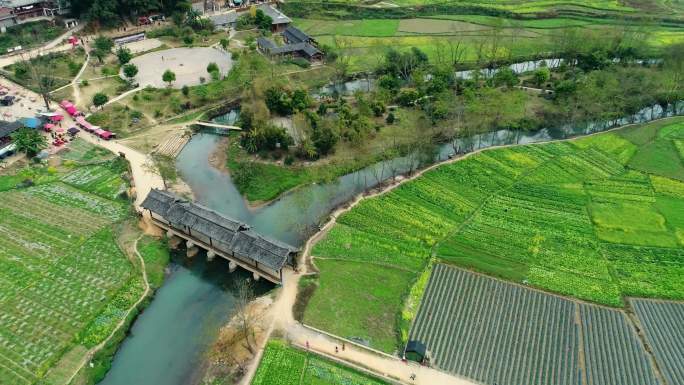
167	341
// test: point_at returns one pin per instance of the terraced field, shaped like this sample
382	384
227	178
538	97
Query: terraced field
500	333
599	218
662	324
285	365
64	283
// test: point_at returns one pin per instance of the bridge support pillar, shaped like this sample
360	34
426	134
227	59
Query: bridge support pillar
232	266
174	242
210	255
192	251
190	244
256	276
169	234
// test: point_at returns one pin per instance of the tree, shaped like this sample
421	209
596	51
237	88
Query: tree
29	141
124	55
505	77
169	77
103	12
541	76
185	91
212	67
325	137
103	46
213	70
40	72
225	43
262	20
130	70
100	99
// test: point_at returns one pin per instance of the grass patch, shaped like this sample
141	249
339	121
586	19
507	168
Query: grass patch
156	255
359	301
29	35
63	67
120	119
284	364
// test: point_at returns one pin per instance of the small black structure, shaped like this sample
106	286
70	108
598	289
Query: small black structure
7	100
416	351
220	235
294	35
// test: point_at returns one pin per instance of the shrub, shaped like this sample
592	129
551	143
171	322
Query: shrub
99	99
136	114
212	67
73	68
390	118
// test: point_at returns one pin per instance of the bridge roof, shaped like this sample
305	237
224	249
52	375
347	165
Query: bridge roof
267	251
159	201
229	235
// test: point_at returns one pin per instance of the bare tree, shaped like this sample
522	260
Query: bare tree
343	46
246	321
40	74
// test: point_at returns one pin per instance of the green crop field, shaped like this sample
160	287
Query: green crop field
64	282
592	218
285	365
363	40
525	336
529	8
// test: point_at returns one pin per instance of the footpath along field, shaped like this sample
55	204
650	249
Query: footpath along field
282	364
599	219
64	282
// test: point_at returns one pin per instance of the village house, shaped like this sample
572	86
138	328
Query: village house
298	44
14	12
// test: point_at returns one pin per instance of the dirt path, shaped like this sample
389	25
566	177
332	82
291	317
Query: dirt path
145	178
74	83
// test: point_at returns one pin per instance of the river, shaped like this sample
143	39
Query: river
167	341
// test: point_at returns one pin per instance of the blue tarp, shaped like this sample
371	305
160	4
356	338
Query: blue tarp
31	122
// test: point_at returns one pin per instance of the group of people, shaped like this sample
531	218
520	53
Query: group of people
412	377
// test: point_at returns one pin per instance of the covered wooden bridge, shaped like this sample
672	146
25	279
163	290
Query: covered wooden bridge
219	235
